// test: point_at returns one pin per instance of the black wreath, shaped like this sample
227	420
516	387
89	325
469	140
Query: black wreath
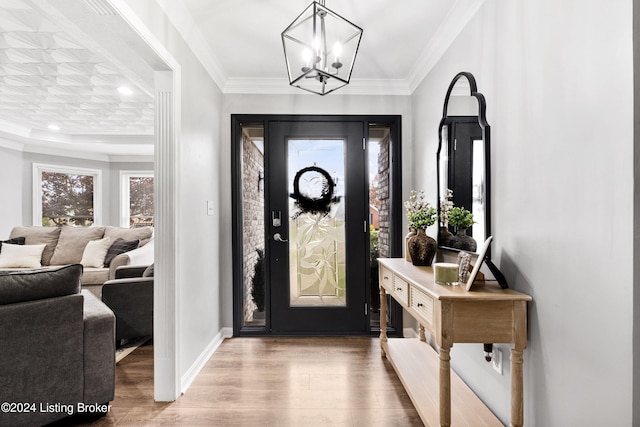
308	205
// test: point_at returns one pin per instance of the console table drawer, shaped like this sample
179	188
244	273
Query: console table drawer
386	278
422	304
400	290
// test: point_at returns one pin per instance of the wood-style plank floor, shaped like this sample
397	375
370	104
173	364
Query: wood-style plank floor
271	382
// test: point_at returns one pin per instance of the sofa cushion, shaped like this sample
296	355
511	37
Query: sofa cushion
118	247
94	276
142	233
148	272
14	241
72	242
94	252
21	256
35	235
31	285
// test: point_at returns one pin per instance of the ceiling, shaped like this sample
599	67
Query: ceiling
62	61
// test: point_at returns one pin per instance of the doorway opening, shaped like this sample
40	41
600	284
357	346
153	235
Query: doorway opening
316	200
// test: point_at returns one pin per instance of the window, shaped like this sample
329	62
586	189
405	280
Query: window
63	195
136	189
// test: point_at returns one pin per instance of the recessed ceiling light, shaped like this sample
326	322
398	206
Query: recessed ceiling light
53	127
125	90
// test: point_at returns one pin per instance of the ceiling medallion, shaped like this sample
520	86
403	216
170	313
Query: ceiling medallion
320	49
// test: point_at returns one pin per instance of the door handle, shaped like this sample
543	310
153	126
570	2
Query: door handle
278	238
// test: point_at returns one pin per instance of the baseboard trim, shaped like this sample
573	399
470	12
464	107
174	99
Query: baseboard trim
201	361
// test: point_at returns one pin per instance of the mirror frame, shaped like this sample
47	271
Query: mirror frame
486	137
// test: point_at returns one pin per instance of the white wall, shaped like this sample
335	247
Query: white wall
557	77
301	104
11	178
201	255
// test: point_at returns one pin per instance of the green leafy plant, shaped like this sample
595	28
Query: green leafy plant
419	212
460	218
445	206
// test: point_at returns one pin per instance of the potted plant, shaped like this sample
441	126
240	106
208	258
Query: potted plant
421	215
444	235
461	219
257	286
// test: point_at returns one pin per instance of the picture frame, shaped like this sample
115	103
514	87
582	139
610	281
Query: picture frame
476	268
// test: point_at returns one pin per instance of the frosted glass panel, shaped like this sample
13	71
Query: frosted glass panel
316	170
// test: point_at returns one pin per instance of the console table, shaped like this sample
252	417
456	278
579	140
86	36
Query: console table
485	314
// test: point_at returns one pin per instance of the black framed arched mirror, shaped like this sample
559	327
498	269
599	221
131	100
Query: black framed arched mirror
463	167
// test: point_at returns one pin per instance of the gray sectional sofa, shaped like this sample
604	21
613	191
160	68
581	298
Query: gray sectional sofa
57	347
66	245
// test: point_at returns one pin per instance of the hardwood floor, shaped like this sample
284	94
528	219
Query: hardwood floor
271	382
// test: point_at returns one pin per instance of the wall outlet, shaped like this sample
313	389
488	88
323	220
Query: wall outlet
496	360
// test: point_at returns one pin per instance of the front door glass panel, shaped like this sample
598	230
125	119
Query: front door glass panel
316	178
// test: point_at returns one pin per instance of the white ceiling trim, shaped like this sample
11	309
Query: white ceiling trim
282	86
456	20
181	18
12	145
447	32
77	151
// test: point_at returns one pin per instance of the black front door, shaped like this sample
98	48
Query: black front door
317	207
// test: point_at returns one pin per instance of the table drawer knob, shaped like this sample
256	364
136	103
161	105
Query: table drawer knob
398	289
420	304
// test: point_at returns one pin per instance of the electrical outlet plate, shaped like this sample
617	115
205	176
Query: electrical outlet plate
496	360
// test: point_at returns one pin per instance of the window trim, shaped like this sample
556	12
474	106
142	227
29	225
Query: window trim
125	175
38	168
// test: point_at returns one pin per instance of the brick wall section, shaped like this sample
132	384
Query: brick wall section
384	243
252	215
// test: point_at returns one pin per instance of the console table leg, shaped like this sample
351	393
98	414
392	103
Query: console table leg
445	387
516	388
383	320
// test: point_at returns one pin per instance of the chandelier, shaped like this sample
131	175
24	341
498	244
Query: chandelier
320	48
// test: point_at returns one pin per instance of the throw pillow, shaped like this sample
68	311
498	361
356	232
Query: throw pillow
35	235
21	256
14	241
118	247
141	233
94	252
148	272
72	242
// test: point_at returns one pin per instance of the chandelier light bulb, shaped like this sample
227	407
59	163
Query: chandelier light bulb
306	57
337	50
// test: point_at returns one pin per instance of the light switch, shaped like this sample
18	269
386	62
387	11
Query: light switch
209	207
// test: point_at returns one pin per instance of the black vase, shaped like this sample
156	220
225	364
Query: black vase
463	241
422	248
445	237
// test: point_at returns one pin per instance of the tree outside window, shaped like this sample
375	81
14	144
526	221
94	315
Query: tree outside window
140	201
67	199
136	199
65	196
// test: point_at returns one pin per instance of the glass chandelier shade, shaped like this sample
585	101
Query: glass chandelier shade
320	49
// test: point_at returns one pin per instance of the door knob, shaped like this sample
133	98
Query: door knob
278	238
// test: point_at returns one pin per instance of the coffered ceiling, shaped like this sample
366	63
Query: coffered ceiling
62	61
60	74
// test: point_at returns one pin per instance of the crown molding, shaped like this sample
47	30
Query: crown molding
281	86
453	24
182	20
